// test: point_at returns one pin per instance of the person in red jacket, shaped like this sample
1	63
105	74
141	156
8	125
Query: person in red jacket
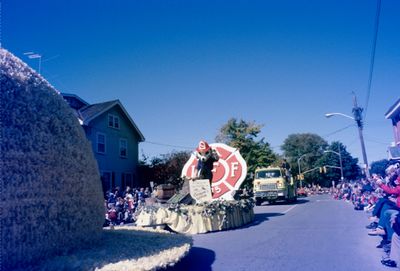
395	191
389	210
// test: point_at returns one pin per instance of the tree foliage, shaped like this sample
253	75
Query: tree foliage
379	167
238	134
243	136
309	147
164	169
331	160
312	152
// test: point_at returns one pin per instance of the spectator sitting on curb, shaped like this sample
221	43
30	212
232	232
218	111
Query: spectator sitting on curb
111	199
394	255
389	208
141	197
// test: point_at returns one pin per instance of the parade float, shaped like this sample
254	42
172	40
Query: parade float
211	207
52	207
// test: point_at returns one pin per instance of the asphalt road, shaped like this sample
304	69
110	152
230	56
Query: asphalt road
317	233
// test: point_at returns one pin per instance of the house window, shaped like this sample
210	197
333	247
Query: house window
110	121
123	147
101	143
116	122
106	181
113	121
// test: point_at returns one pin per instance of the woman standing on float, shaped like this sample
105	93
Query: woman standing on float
206	157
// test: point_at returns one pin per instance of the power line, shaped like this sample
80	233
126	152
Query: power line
371	67
352	142
168	145
337	131
327	135
377	141
50	58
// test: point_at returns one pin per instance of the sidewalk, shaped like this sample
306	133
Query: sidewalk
367	244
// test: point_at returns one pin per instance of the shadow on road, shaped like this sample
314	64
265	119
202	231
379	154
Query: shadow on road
197	259
299	201
302	201
260	218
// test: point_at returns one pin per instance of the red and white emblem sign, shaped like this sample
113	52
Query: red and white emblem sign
228	173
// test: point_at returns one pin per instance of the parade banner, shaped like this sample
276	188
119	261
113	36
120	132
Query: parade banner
229	171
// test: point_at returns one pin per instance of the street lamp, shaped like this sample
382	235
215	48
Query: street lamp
33	55
340	160
357	112
328	115
298	163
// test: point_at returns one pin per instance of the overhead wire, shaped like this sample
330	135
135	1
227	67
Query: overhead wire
372	62
339	130
377	141
352	142
167	145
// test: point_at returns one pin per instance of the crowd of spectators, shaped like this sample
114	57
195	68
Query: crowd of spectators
380	197
120	206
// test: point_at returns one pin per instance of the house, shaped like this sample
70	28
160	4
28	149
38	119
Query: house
394	114
114	137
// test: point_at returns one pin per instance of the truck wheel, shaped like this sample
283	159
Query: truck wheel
258	201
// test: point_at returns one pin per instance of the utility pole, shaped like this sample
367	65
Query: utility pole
298	163
341	163
357	113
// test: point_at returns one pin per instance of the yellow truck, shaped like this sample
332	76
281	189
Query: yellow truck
272	184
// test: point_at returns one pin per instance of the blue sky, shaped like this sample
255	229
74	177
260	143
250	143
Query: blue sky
183	68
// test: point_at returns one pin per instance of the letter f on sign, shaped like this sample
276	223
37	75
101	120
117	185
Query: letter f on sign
234	167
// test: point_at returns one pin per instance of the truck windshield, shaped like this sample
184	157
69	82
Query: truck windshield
268	174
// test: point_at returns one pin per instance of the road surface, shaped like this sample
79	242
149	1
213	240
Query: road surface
316	233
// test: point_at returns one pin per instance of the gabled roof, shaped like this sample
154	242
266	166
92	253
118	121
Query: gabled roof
90	112
393	109
75	97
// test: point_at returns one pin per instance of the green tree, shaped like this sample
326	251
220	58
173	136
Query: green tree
243	136
238	134
163	169
174	162
307	146
379	167
331	160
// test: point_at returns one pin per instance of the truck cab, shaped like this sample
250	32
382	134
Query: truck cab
272	184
